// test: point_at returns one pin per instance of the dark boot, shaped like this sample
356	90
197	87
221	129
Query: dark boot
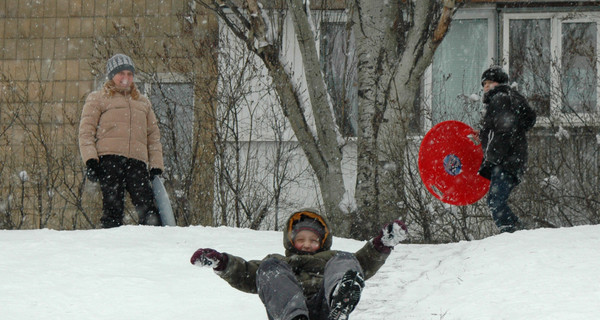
346	295
108	222
517	226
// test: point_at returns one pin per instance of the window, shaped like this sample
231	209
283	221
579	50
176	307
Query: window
530	64
553	57
455	74
173	104
338	61
579	67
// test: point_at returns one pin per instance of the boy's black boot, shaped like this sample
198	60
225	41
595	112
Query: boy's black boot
302	317
346	295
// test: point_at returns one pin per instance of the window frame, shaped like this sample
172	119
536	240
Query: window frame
557	19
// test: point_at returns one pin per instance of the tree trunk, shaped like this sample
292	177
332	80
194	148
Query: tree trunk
396	41
376	49
326	153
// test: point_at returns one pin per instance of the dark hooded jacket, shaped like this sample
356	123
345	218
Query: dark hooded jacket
503	131
308	267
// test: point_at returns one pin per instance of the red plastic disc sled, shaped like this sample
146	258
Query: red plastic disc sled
449	158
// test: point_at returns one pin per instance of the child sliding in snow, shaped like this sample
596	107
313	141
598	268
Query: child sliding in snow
311	281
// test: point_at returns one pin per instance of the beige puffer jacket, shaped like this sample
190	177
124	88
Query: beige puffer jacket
119	125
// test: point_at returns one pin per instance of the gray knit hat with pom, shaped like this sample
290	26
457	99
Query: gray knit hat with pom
118	63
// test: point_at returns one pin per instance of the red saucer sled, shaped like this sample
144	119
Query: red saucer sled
449	158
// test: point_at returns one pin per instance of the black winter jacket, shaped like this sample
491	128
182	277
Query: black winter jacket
503	137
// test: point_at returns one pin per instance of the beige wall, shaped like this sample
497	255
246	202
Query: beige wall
49	62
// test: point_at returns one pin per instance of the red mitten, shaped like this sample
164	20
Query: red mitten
209	258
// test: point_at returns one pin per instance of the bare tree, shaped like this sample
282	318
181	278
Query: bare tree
43	165
7	117
395	41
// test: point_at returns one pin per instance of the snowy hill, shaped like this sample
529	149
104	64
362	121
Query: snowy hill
137	272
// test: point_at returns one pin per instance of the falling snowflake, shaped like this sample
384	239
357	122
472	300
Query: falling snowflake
23	176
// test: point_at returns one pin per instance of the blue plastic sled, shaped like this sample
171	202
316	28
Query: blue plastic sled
161	197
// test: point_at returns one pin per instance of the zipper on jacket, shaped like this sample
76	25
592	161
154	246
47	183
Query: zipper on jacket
130	124
489	142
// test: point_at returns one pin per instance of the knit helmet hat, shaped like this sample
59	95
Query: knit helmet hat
118	63
308	224
494	73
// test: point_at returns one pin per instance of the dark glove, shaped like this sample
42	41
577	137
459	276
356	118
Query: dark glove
487	168
155	172
91	170
485	171
391	235
210	258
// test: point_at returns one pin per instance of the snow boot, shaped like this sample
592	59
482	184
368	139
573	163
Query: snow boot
302	317
346	295
517	226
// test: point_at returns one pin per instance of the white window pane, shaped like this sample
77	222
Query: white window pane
578	73
530	61
457	66
339	66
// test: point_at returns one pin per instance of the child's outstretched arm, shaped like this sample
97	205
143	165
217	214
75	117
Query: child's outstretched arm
239	273
374	253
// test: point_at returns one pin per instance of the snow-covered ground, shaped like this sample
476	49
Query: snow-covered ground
137	272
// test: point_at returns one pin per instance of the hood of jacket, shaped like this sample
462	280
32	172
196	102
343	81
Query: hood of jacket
307	213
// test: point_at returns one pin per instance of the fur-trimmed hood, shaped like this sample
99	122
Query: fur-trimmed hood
307	213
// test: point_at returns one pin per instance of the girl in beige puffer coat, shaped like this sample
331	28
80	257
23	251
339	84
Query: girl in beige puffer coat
119	141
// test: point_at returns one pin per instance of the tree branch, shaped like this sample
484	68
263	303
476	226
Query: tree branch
444	22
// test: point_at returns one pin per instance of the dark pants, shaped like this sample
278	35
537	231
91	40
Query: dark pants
501	185
282	295
118	174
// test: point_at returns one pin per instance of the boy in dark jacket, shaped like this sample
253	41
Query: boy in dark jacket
507	118
311	281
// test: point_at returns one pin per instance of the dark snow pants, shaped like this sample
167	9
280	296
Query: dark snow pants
117	174
501	185
282	294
